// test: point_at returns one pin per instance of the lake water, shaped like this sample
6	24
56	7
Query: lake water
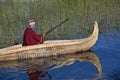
106	49
15	13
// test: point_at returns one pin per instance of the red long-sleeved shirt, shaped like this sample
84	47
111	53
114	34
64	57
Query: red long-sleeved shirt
30	37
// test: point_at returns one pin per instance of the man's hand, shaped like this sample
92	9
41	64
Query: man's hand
44	35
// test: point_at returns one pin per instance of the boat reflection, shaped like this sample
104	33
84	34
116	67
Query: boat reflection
35	67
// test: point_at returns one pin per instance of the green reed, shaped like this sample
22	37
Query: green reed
14	15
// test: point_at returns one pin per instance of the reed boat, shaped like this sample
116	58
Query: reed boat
50	48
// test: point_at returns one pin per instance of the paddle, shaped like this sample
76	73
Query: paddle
55	27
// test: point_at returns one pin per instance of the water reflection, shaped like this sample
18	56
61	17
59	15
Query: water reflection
39	68
36	74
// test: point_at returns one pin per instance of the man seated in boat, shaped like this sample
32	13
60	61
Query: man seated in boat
30	37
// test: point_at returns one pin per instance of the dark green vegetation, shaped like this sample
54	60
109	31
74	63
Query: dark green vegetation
82	13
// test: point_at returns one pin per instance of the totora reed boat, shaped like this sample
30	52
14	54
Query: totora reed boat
50	48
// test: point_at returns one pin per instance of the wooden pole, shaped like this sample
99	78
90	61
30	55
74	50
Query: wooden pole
55	27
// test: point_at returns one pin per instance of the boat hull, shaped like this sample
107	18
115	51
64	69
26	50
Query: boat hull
50	48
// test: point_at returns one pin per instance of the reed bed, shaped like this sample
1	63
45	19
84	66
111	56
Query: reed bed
14	15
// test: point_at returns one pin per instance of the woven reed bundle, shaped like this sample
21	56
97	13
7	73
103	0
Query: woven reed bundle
11	47
46	45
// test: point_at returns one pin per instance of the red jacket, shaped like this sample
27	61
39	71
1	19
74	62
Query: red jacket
31	38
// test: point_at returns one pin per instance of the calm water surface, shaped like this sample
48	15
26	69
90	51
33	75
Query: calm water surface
14	14
106	49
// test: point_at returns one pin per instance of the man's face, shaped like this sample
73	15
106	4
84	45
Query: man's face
32	23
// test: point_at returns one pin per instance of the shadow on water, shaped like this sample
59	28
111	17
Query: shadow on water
42	68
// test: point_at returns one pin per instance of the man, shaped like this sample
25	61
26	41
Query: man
30	37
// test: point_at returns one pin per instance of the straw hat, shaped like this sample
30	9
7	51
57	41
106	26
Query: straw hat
29	21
